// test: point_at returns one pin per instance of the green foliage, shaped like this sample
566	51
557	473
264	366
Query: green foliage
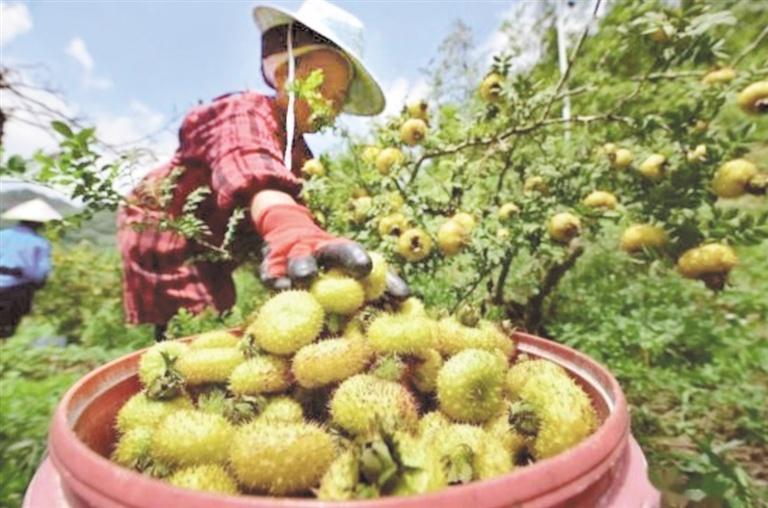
308	89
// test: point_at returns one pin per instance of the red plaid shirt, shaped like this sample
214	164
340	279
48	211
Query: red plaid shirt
233	145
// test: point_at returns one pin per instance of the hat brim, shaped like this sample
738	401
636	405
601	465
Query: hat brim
364	97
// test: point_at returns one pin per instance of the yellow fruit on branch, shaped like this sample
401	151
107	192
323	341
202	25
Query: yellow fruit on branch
451	237
732	178
563	227
418	109
490	88
508	210
413	131
414	245
535	184
754	98
653	167
698	154
393	224
387	159
621	158
313	167
370	153
465	219
723	75
642	236
502	234
600	199
609	148
360	208
710	263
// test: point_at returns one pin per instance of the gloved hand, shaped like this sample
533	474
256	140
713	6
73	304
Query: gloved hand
294	248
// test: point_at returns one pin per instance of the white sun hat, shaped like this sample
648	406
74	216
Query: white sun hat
34	210
343	29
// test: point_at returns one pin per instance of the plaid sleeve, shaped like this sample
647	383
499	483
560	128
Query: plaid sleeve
238	138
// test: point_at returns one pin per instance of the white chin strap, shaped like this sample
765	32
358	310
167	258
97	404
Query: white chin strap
290	120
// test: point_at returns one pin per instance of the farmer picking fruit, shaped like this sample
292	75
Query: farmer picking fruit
248	149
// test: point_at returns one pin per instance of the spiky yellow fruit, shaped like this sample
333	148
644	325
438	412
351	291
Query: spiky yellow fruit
134	447
413	131
653	167
454	337
418	109
414	245
261	374
451	237
393	224
469	386
205	477
313	167
535	184
387	159
330	361
370	153
375	283
188	437
621	158
732	178
401	334
507	211
282	409
712	258
563	227
490	88
340	481
718	76
364	403
287	322
412	306
500	427
470	453
152	364
465	219
421	467
139	411
432	422
424	376
600	199
557	412
338	293
360	208
215	339
211	365
281	458
754	98
642	236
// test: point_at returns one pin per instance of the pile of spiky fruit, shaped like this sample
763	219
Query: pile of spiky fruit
338	393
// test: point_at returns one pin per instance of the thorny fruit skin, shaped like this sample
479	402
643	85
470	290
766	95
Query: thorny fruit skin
152	365
141	411
313	167
387	159
190	437
360	208
451	237
642	236
754	98
563	227
413	132
719	76
375	283
401	334
414	245
490	88
338	293
330	361
732	178
470	386
211	365
653	167
215	338
206	478
601	199
393	225
261	374
287	322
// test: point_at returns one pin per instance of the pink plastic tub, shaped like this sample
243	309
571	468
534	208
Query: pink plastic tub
606	469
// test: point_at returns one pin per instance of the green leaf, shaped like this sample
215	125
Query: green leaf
62	128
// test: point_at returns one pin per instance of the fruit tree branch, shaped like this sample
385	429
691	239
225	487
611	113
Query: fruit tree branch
533	313
751	46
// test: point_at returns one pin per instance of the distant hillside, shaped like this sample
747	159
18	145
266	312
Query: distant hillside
100	230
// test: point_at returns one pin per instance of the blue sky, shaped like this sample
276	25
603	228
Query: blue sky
133	67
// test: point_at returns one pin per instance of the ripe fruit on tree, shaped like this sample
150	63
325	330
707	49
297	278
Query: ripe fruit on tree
609	148
754	98
388	158
413	131
600	199
393	224
698	154
621	158
414	245
723	75
451	237
563	227
418	109
653	167
490	88
535	184
360	208
502	233
313	167
642	236
370	153
465	219
507	210
732	178
711	263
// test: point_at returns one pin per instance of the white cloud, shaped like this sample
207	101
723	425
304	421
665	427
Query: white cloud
15	20
78	50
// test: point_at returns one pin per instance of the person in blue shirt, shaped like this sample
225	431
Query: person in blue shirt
25	261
